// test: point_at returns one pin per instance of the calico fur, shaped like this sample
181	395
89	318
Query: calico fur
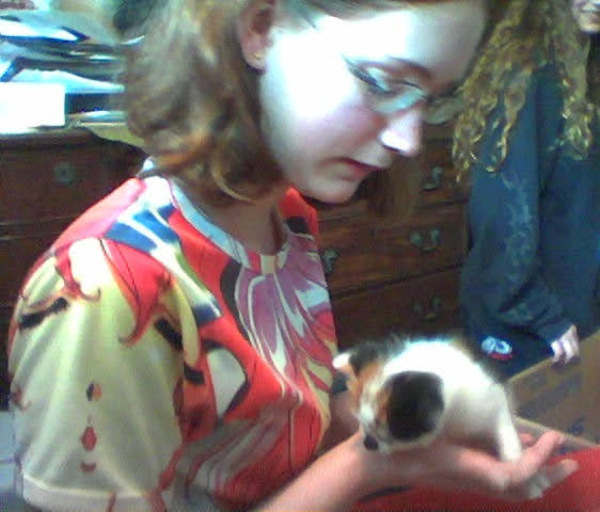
407	393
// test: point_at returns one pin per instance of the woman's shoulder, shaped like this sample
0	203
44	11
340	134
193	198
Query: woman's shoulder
541	106
546	78
542	79
99	218
130	224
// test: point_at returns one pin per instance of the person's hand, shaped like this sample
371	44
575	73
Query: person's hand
455	468
566	348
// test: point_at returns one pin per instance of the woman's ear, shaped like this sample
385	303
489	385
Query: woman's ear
254	29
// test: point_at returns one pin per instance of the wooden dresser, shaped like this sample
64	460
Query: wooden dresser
401	276
46	180
404	276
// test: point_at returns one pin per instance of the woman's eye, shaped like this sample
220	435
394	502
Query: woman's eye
388	93
380	88
374	84
377	85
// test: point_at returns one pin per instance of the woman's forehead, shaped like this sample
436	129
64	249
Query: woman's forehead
439	36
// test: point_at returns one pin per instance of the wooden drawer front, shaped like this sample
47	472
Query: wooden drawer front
40	182
5	313
426	305
358	254
20	245
439	175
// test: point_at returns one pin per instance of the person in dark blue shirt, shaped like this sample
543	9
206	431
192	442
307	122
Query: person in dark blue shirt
529	140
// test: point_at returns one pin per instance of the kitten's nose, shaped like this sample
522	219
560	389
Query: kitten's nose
370	442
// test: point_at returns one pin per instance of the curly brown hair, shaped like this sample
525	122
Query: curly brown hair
193	99
527	36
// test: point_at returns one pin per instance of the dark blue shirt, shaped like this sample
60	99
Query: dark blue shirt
532	269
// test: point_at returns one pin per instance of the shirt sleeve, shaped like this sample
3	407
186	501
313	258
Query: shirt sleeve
503	289
92	383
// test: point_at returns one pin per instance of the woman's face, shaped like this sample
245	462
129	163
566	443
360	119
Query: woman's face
343	97
587	15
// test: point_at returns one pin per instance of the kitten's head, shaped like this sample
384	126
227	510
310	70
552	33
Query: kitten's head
397	410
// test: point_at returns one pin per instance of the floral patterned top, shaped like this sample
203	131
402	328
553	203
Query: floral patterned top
158	364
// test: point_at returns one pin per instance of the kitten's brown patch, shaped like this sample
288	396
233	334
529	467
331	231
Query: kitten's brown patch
357	382
382	401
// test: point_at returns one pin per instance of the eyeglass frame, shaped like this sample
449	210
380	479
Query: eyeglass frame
396	100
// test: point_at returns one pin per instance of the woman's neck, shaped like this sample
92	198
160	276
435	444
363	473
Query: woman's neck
257	225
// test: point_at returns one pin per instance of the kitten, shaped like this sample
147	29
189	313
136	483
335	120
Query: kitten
408	393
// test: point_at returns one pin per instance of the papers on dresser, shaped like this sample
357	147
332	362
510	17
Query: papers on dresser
75	55
31	105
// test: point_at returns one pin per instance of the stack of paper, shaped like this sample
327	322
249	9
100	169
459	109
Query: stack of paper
61	48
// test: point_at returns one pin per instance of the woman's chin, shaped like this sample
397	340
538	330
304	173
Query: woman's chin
339	196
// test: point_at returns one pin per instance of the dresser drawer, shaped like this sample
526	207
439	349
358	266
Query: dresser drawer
426	305
359	253
5	312
59	180
20	245
439	183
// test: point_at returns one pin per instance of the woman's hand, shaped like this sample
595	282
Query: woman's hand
349	472
451	467
566	348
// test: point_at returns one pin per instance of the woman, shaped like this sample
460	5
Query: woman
529	136
173	349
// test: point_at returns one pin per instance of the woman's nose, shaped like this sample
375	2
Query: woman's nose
403	132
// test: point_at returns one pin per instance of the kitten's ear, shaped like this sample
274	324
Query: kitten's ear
343	365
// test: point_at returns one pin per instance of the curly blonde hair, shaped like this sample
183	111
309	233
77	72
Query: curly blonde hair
526	36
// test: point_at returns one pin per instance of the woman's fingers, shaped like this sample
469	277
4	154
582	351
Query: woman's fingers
537	455
527	439
566	348
478	471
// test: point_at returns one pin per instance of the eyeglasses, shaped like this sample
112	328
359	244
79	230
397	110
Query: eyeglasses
385	97
388	96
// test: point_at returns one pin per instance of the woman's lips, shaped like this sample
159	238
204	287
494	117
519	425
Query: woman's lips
360	169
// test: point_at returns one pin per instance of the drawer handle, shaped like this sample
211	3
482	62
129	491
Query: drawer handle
428	315
427	242
436	180
328	258
65	173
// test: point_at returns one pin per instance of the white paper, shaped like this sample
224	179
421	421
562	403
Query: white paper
31	105
72	84
94	25
18	29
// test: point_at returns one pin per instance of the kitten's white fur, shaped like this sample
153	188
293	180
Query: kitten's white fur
475	405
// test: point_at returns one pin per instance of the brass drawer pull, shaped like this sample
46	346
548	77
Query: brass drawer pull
65	173
328	258
436	181
428	315
427	242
